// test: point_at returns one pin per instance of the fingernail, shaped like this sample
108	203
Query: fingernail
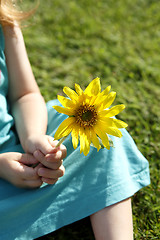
35	153
49	157
40	171
54	150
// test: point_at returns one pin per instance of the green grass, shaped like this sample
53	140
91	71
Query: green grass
119	41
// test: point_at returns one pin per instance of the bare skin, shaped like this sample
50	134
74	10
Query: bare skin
113	222
30	115
15	170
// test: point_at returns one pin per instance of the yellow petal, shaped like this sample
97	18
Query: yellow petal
93	88
70	93
103	136
109	100
78	89
119	124
112	122
114	132
67	111
92	100
87	99
74	135
65	102
87	141
101	96
113	111
84	142
106	91
109	127
95	140
65	128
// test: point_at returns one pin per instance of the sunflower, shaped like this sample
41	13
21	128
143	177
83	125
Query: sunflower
90	118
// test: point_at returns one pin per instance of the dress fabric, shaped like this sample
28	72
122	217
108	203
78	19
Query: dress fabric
90	182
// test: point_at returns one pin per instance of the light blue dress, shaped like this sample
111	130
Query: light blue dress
90	183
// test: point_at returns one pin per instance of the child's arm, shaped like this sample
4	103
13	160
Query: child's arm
29	109
28	106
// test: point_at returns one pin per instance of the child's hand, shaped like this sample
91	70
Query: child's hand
14	167
51	157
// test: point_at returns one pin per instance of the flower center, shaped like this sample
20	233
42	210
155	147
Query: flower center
86	115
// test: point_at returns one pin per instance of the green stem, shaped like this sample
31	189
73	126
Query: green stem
61	141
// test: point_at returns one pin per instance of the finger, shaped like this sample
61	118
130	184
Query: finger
49	180
38	166
60	154
55	164
33	183
54	174
54	144
63	149
28	159
27	173
47	145
40	157
54	157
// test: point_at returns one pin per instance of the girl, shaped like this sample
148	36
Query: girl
99	185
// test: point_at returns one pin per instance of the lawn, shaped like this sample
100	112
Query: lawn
119	41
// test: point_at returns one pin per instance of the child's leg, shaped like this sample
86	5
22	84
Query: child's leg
113	222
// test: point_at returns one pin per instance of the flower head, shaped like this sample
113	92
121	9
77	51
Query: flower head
89	117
